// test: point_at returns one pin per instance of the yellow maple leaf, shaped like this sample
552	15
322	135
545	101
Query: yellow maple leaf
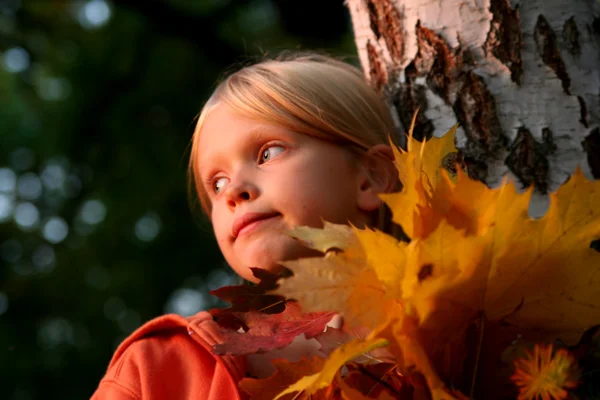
419	171
545	270
537	275
312	383
336	283
474	253
386	256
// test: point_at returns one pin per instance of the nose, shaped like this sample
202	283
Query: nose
238	193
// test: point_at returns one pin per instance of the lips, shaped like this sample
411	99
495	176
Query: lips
247	219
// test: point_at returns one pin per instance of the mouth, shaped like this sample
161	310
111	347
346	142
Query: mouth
250	221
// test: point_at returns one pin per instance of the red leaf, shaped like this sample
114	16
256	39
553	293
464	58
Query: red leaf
254	297
263	332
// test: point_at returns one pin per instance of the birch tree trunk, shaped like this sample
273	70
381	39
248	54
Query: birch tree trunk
522	77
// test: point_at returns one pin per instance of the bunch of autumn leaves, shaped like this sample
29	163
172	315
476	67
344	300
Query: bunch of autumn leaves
483	302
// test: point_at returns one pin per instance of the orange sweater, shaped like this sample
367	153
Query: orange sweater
170	358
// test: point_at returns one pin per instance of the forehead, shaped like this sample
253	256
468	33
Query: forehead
224	131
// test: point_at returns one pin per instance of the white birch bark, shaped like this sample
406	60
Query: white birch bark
522	77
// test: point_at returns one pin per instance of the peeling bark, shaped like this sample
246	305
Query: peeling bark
377	70
504	40
522	79
387	22
545	40
409	98
591	145
439	63
476	108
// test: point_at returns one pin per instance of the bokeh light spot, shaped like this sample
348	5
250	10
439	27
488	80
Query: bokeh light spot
94	14
54	332
16	59
53	176
148	227
43	258
185	302
8	180
55	230
6	207
26	216
93	212
29	186
53	89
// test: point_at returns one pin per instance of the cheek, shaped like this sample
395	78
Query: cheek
220	227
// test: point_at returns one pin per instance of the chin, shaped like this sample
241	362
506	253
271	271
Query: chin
270	258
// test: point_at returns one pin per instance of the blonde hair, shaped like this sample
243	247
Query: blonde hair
307	93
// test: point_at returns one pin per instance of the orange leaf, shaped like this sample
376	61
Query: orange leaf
286	374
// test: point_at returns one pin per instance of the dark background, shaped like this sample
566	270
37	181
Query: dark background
97	107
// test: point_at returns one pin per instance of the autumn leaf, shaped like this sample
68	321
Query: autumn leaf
368	382
475	258
312	383
386	256
339	283
546	267
254	297
419	170
286	374
331	237
263	332
333	338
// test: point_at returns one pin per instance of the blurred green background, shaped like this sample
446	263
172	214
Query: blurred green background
97	106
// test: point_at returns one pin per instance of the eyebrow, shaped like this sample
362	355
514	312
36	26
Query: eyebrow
256	134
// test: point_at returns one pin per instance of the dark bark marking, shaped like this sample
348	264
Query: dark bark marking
547	47
449	74
504	39
591	145
388	22
438	62
570	35
377	71
596	25
407	100
528	159
476	108
582	111
453	161
374	18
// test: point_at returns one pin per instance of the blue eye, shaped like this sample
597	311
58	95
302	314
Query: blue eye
271	152
219	184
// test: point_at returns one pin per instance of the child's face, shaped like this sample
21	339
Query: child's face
263	179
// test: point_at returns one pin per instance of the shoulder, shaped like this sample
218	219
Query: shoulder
169	356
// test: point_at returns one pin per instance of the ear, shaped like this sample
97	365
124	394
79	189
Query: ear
378	175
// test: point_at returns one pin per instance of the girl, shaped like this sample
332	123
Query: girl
287	142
